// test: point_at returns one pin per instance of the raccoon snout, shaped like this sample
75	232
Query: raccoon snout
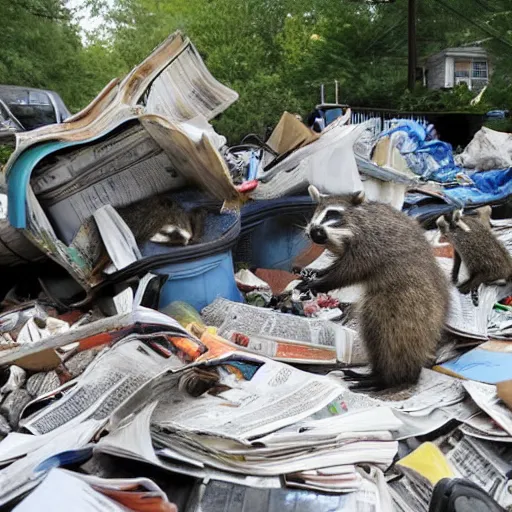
318	234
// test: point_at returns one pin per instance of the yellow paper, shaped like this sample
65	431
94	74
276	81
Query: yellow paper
429	462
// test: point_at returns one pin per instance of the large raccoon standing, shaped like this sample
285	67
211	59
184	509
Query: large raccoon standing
405	301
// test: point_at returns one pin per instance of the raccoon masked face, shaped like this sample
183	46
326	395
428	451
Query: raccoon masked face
179	233
329	224
186	228
172	235
452	222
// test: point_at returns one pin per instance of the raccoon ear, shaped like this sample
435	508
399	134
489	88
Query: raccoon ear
357	198
314	193
457	220
484	214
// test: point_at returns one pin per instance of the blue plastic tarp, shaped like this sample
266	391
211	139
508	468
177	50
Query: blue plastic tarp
433	160
428	158
489	187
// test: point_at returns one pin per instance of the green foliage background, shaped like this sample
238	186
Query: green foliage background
275	53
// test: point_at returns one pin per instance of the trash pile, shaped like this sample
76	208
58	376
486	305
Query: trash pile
156	352
480	175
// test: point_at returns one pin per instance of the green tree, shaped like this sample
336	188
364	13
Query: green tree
40	47
274	53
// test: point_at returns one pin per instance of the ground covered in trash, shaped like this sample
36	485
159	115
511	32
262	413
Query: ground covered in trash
158	350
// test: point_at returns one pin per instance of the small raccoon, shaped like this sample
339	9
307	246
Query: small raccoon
160	219
485	257
405	301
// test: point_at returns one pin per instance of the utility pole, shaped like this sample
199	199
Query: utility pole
411	82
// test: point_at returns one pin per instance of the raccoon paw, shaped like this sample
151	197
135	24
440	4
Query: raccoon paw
465	288
303	287
351	375
474	297
317	286
365	386
308	274
363	382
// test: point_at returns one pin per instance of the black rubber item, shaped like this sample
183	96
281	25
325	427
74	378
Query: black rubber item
151	297
226	497
459	495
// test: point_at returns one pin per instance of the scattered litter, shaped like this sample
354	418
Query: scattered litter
504	390
489	362
135	338
488	150
248	282
16	379
486	398
26	472
5	428
408	148
41	383
13	405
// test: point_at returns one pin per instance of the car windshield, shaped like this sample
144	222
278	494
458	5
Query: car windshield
32	108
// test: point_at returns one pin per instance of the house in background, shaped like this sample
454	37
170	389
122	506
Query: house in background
454	66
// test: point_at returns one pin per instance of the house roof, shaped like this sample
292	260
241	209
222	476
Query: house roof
461	51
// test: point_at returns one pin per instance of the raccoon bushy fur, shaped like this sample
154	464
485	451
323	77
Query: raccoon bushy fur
406	296
163	220
486	259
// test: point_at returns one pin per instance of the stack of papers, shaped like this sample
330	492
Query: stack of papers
270	333
464	318
263	419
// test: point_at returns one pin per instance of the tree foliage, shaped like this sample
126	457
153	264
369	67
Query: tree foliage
40	46
275	53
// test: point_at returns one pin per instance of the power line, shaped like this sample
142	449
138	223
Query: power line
484	5
488	30
382	35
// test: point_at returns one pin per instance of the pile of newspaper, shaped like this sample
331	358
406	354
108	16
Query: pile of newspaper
163	397
483	463
144	135
196	403
273	420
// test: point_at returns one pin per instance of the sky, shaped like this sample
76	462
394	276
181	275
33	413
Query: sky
87	22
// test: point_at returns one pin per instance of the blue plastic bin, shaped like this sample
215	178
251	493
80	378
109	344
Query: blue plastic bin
273	232
200	282
201	272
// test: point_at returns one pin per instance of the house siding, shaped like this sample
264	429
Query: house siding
436	72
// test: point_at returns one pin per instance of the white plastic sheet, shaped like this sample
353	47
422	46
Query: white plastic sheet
333	169
487	151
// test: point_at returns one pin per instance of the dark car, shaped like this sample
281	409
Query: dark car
31	108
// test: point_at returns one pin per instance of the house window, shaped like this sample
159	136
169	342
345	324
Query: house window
479	69
462	69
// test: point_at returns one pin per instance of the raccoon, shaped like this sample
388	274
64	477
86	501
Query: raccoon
485	258
405	298
162	220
